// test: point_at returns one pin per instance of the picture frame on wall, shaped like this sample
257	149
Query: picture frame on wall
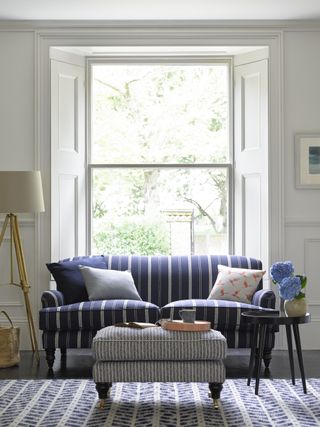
307	161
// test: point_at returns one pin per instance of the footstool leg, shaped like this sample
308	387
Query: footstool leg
215	389
103	392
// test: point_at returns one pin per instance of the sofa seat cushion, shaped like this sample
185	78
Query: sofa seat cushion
223	315
95	315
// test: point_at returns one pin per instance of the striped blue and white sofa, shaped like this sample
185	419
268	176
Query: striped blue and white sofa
166	284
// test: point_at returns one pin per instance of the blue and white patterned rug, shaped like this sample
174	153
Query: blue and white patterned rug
52	403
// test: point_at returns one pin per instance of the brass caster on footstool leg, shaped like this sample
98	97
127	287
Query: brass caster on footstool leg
101	404
103	390
215	389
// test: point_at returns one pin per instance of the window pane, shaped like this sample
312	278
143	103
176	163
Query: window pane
150	211
160	114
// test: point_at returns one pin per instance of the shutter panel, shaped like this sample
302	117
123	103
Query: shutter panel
68	196
251	160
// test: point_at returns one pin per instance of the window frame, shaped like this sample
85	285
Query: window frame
159	60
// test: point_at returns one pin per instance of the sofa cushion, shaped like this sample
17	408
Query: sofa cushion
69	280
223	315
108	284
162	279
236	284
97	314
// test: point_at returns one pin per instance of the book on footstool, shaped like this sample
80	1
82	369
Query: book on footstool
137	325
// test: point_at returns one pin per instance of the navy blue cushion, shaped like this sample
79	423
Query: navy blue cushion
69	279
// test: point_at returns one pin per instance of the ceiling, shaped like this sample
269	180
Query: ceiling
159	9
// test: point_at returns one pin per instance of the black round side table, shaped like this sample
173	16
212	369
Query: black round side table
261	320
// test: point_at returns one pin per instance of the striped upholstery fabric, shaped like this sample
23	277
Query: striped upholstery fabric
163	279
222	314
242	339
264	298
83	339
225	316
90	315
67	339
119	344
170	282
160	371
154	354
52	298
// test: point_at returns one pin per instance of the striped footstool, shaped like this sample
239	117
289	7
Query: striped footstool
158	355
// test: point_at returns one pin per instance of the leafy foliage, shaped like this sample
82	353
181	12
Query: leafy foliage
158	114
133	237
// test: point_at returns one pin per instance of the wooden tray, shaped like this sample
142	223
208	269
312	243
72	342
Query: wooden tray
179	325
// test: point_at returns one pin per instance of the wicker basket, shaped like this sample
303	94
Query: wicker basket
9	344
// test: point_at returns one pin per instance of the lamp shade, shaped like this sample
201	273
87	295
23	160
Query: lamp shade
21	191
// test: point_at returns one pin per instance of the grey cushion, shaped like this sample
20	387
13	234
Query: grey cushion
109	284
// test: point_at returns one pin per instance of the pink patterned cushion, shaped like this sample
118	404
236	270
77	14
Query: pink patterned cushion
236	284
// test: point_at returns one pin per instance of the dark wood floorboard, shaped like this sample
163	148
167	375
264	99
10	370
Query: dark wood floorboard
78	364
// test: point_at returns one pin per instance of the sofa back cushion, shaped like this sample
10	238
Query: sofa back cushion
104	284
236	284
69	279
163	279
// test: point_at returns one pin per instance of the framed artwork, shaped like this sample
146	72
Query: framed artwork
307	161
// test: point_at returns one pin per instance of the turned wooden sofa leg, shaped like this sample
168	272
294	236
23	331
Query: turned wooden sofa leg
103	393
215	389
267	356
50	357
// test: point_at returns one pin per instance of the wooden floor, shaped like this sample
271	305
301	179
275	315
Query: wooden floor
78	364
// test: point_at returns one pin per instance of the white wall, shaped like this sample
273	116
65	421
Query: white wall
17	100
302	207
301	115
17	153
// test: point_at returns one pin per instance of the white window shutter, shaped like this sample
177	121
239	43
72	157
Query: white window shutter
68	195
251	160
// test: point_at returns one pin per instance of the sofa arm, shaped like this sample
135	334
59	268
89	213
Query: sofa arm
264	298
52	298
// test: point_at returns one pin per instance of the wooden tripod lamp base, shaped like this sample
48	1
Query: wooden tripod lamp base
15	241
20	191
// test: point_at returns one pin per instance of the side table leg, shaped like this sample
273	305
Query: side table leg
252	353
262	333
299	353
290	351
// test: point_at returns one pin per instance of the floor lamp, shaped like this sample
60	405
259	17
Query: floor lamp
20	191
